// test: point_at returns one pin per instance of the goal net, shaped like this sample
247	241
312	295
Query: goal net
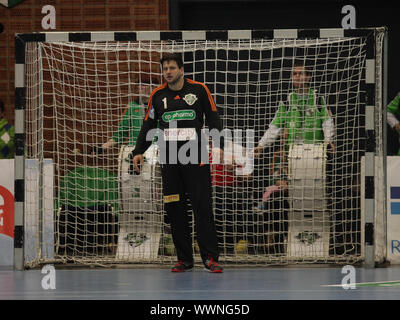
299	202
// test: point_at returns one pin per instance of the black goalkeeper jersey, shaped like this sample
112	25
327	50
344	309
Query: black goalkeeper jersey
180	115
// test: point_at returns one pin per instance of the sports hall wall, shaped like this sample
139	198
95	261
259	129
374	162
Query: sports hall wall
25	16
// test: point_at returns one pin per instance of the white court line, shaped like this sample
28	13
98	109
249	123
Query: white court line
367	284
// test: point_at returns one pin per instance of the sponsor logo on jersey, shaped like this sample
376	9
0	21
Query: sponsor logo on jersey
180	134
179	115
190	99
10	3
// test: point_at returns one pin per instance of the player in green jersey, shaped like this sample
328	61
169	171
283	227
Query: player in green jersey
393	112
304	115
302	119
129	127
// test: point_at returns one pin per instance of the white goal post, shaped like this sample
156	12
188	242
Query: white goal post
73	90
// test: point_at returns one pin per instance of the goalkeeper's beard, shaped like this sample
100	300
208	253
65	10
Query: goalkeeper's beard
176	81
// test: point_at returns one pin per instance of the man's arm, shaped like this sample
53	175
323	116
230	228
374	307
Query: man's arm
118	136
269	136
274	130
142	143
328	125
130	124
122	131
108	144
212	116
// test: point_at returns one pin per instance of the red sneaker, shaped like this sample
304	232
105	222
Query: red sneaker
212	266
182	266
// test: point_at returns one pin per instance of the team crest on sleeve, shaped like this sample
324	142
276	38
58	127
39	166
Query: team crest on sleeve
190	99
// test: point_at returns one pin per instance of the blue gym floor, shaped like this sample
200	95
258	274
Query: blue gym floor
155	283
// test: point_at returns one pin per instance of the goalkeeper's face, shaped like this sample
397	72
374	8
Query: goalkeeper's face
171	72
300	78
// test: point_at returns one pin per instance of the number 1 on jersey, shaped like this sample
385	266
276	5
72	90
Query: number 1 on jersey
165	102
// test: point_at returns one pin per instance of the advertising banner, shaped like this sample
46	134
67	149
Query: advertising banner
393	208
6	212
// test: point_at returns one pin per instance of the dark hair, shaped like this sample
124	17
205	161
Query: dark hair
172	57
304	64
2	105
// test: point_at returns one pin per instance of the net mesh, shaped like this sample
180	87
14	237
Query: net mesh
90	208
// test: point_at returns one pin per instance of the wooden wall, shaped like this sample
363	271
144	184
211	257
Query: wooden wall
72	15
